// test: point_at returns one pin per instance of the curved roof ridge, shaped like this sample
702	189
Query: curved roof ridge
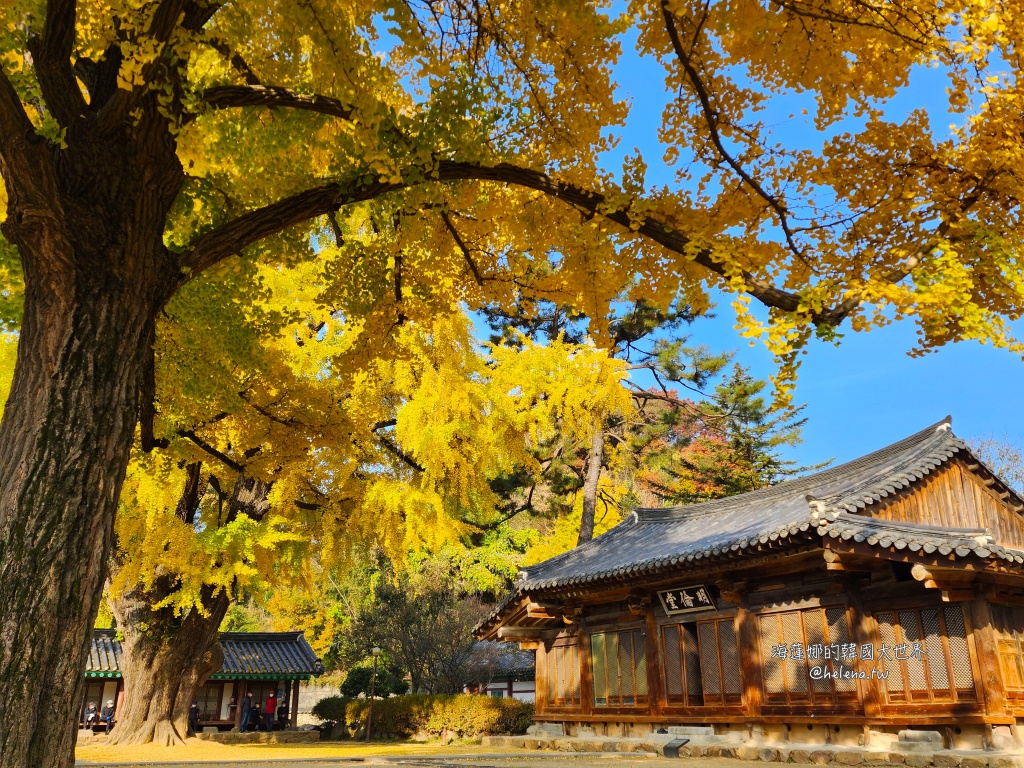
935	434
906	526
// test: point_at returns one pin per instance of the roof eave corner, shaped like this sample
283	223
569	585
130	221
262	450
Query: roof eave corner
821	514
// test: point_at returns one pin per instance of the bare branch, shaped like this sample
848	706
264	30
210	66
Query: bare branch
223	458
711	120
240	65
235	96
462	247
393	449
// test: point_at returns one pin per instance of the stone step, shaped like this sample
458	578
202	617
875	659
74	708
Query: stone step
916	746
691	730
546	729
912	736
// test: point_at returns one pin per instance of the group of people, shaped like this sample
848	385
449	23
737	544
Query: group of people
105	715
259	716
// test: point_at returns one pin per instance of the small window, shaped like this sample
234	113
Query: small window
941	670
496	694
209	698
562	672
793	674
620	668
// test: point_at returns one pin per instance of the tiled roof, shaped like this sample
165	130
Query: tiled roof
267	653
823	503
250	655
510	661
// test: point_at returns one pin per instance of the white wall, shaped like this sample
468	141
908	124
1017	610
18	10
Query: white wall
225	700
524	690
109	692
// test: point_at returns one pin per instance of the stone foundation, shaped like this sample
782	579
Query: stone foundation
793	753
273	737
88	738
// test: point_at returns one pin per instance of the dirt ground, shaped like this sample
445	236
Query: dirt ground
210	755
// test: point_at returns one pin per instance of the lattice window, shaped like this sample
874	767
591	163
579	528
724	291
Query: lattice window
209	698
925	653
1009	628
562	672
796	674
702	664
619	662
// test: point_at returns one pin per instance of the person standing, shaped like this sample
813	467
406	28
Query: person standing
243	722
193	718
271	710
107	714
254	716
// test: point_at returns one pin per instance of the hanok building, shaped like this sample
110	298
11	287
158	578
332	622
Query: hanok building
504	672
260	662
838	607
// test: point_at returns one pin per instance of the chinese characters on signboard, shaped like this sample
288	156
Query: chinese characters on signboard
686	599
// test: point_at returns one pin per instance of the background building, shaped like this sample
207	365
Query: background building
839	607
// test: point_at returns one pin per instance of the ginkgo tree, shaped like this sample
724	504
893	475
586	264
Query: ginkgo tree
145	143
271	460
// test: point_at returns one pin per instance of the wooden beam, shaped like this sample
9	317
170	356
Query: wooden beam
526	633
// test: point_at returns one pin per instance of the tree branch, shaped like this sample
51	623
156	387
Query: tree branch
188	502
16	132
51	58
223	458
462	247
166	18
232	237
240	65
234	96
391	447
711	120
399	453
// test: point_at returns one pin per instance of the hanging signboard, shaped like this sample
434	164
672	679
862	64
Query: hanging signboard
686	599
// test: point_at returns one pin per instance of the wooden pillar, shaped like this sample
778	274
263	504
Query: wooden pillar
119	699
655	667
540	679
241	687
295	703
586	673
749	638
863	629
986	646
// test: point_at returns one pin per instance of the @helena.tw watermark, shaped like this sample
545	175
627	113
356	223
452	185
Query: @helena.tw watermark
840	652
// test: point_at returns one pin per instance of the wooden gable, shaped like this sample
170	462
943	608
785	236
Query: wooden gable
957	496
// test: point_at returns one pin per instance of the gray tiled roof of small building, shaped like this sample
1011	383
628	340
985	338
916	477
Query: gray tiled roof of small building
511	660
245	653
653	538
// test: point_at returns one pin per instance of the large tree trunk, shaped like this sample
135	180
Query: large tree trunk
88	228
164	660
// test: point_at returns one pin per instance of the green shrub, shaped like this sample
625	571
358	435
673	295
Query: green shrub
332	708
399	717
469	715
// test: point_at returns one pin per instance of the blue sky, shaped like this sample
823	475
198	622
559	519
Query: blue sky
867	392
